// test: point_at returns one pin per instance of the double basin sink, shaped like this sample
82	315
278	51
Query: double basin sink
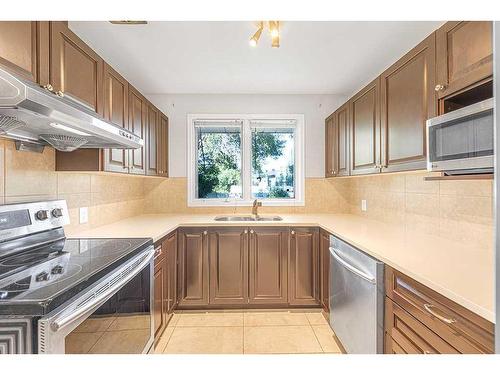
248	218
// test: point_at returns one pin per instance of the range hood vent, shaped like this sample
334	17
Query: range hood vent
31	114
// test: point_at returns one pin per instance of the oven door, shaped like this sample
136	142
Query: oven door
114	315
462	140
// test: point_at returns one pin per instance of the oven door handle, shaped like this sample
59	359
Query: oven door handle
61	322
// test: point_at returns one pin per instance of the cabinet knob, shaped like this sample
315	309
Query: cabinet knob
251	231
60	94
48	87
439	87
205	232
292	232
245	231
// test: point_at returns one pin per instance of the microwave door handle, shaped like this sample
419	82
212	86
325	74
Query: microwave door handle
351	268
63	321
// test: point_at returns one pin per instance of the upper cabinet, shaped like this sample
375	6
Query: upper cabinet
19	47
51	55
464	55
365	130
115	111
407	101
382	128
76	71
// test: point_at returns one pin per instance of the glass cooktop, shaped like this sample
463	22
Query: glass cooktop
49	275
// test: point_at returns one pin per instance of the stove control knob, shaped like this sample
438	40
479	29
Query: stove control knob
42	215
43	276
57	270
57	212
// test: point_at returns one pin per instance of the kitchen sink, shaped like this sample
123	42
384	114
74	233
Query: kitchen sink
248	218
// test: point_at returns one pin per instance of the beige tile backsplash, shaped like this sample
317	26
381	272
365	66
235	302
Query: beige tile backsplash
461	210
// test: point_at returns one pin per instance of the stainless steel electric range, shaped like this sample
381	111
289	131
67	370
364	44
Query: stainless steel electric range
60	295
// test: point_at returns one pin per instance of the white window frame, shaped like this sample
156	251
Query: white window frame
246	200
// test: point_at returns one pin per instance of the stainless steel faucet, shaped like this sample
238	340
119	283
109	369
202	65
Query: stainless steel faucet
255	207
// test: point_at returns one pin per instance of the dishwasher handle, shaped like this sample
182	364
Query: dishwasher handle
351	268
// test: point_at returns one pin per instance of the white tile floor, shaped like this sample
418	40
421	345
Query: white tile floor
248	332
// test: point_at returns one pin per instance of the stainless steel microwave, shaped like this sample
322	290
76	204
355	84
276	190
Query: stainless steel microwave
462	141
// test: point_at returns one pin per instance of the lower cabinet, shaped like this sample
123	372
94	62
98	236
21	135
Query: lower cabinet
193	267
419	320
303	277
268	270
160	309
238	266
324	269
228	250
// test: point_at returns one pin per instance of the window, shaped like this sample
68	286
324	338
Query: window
235	159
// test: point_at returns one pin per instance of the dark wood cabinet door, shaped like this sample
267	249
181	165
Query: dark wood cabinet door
409	335
159	306
268	254
115	111
324	269
19	48
303	270
137	125
75	69
170	244
342	134
152	140
194	266
365	130
228	249
408	99
330	145
464	55
162	145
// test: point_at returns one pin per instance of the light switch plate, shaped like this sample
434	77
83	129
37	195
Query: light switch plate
363	204
84	215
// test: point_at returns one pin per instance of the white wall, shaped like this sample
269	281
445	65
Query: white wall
314	108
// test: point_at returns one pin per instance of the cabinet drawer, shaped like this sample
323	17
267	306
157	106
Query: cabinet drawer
462	329
159	254
410	336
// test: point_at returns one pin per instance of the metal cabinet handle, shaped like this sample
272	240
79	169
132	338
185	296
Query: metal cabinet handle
59	94
428	307
158	252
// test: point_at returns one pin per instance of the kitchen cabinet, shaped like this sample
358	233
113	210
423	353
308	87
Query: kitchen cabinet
324	269
193	267
268	266
22	48
116	100
303	270
407	101
228	250
170	244
162	145
152	140
330	145
420	320
365	130
160	291
76	71
137	106
337	143
464	55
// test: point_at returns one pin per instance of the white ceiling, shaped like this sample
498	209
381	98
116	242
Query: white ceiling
215	57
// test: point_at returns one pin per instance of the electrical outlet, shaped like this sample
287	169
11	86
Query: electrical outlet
84	215
363	204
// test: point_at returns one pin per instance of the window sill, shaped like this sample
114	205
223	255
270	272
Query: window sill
245	203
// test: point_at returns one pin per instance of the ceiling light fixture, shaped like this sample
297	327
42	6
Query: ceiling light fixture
255	38
274	31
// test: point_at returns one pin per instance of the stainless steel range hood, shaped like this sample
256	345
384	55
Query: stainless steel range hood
32	114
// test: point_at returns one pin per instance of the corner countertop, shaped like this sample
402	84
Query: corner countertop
459	271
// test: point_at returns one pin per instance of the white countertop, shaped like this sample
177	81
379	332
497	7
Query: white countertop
459	271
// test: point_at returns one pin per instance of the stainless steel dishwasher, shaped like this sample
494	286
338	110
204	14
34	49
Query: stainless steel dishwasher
356	298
